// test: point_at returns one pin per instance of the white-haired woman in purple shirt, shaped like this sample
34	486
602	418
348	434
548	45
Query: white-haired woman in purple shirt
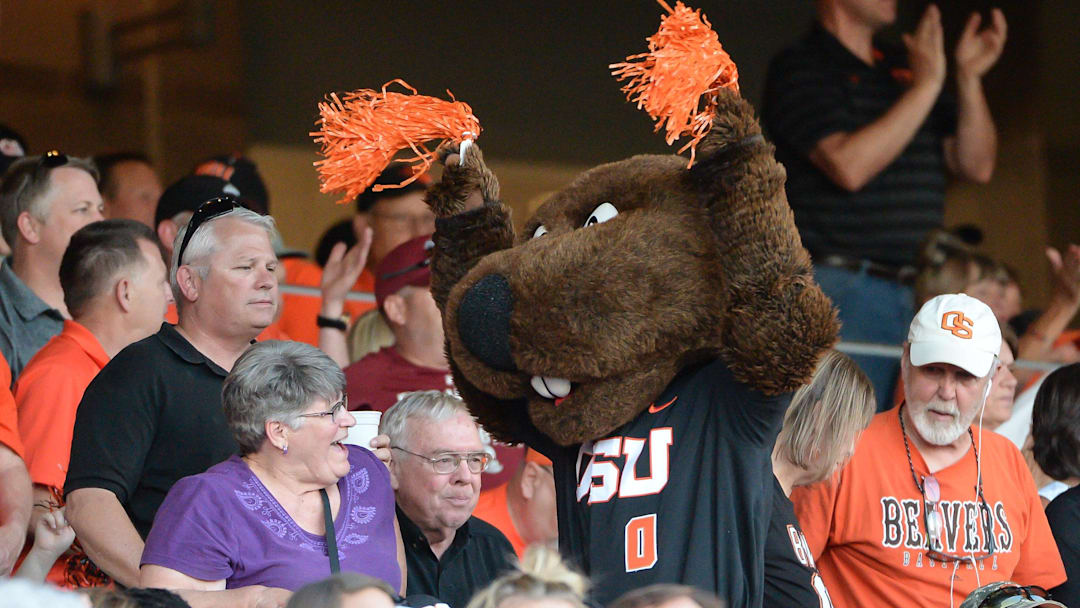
252	529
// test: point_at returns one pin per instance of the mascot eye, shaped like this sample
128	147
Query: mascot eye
602	213
541	230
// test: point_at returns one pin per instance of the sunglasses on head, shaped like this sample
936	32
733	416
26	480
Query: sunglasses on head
206	212
45	163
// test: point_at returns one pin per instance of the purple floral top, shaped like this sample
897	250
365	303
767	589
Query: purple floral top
224	524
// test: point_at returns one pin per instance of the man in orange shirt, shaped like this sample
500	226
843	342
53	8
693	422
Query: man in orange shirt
523	509
116	288
14	481
929	509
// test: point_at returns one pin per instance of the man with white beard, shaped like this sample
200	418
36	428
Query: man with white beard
931	507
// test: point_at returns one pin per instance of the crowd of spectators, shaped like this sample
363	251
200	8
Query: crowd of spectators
177	421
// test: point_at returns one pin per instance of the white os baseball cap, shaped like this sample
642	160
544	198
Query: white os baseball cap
958	329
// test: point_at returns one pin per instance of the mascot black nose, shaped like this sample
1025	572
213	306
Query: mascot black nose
484	321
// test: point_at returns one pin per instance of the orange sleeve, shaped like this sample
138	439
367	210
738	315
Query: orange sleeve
815	507
47	398
9	425
1040	563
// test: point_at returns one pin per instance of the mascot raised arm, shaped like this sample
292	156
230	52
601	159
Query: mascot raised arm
644	332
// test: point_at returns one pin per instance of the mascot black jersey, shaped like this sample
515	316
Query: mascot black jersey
680	494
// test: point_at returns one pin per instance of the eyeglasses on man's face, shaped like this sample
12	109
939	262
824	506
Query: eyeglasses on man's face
336	411
446	463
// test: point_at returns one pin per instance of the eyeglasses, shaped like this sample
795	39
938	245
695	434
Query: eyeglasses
397	273
1031	592
933	523
206	212
52	159
336	411
448	462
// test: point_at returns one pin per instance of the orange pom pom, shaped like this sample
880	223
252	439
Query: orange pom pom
361	132
677	80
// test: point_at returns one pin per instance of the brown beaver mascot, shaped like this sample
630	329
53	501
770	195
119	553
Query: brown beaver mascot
644	332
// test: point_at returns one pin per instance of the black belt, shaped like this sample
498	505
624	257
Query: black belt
904	275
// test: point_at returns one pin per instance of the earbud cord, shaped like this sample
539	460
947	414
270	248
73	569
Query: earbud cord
988	530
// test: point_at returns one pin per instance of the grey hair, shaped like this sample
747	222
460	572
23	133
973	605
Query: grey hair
205	242
24	187
276	381
435	406
329	592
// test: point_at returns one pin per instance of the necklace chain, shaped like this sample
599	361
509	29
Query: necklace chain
911	465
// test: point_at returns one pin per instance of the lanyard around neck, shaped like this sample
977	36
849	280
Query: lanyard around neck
331	540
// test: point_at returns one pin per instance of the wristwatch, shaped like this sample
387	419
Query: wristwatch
341	323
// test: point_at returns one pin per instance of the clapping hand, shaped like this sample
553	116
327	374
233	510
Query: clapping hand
978	50
926	50
342	270
1066	272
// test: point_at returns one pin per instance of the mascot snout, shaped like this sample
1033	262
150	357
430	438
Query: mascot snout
484	321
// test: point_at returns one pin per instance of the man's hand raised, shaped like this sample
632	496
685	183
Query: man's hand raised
926	50
978	50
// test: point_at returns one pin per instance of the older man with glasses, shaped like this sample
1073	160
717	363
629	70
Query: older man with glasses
931	507
153	415
436	461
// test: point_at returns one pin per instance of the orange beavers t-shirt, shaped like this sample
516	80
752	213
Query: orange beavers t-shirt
9	426
866	530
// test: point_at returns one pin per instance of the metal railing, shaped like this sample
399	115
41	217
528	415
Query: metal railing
850	348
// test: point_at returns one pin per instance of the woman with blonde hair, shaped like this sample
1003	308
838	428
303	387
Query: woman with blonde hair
820	429
542	580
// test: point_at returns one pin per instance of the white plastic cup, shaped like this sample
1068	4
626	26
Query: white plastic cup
365	429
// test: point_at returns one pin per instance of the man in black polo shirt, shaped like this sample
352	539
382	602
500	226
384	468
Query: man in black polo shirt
436	461
866	137
153	415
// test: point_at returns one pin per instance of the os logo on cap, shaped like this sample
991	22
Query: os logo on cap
958	324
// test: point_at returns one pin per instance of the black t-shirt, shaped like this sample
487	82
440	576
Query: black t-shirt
791	578
818	88
151	416
1064	515
478	554
680	494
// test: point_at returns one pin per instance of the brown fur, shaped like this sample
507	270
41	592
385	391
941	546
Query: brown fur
697	264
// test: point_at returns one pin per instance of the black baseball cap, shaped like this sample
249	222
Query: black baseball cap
188	193
241	172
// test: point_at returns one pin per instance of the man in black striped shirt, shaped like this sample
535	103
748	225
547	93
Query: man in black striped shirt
866	136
